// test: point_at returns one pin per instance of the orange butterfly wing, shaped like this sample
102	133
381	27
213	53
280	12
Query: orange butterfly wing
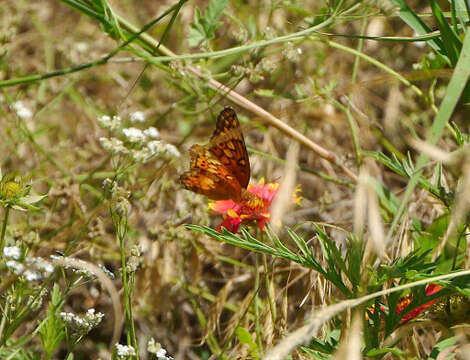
209	177
228	145
222	171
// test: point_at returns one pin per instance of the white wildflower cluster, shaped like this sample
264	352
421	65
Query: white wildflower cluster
110	123
137	117
156	348
32	268
37	268
15	266
160	148
113	145
134	135
138	136
123	351
22	110
12	252
153	149
81	325
152	133
140	145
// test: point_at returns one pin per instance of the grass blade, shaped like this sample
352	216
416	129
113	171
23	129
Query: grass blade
413	20
451	41
455	88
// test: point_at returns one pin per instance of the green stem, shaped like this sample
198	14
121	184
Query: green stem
4	228
271	301
121	227
256	305
352	123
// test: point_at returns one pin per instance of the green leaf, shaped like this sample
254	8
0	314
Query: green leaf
203	28
387	200
451	41
418	25
407	169
197	33
265	92
455	248
245	337
32	199
441	346
384	351
52	332
461	10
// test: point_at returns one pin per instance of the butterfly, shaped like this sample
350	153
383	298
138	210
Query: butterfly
221	169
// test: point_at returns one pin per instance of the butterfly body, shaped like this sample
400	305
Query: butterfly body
220	170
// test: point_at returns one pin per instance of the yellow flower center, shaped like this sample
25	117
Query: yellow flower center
255	202
10	189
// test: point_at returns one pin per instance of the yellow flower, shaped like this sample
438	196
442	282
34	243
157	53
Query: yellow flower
9	189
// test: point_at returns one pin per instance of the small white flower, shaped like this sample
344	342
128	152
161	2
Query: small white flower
67	317
12	252
142	155
16	267
159	148
161	354
156	147
82	324
137	117
156	348
113	145
40	264
134	135
124	350
104	121
172	151
108	123
152	133
21	110
31	275
33	268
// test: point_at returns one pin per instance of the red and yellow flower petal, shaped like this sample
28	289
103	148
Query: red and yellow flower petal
231	224
405	301
250	208
222	206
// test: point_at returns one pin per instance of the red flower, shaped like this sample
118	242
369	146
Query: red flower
254	206
405	301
